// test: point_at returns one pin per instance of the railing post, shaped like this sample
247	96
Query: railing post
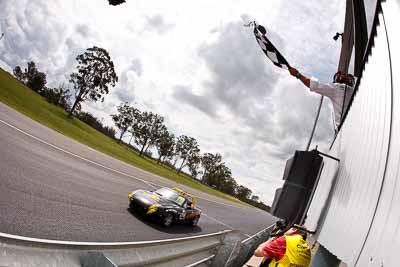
228	251
96	259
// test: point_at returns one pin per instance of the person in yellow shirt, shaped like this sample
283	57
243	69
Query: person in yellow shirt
288	250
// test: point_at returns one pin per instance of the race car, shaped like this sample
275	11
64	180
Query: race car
167	205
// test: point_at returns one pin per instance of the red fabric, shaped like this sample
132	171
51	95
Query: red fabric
275	249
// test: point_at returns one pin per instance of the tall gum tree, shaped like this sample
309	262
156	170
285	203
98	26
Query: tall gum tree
95	73
165	144
147	130
186	147
126	117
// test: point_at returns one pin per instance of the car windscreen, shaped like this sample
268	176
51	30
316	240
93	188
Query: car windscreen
171	195
180	200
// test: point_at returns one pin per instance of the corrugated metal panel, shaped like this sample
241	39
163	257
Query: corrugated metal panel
383	242
363	151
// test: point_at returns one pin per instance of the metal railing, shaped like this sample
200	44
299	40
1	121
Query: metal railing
185	252
223	248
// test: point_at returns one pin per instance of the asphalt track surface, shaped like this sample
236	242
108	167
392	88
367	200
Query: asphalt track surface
52	187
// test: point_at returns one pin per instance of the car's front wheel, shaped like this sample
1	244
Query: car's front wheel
167	220
195	221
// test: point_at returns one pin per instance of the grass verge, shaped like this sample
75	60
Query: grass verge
24	100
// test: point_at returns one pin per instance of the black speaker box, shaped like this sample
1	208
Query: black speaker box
301	174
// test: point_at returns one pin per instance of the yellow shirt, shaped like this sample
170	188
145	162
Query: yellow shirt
298	253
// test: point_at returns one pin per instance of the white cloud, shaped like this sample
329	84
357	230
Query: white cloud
158	24
195	64
203	103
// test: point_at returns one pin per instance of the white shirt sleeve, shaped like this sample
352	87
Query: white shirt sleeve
335	92
328	90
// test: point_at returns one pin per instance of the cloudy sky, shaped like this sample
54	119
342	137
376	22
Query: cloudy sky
194	63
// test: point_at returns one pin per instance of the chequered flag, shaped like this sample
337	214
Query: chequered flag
269	49
116	2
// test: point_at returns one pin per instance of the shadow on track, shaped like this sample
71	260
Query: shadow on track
175	228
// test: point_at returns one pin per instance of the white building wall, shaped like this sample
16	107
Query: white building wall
356	206
383	242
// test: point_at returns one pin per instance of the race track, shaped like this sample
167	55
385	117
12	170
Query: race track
52	187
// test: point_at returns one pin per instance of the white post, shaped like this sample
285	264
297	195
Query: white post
315	123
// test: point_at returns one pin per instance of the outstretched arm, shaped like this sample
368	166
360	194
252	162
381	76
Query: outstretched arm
259	251
305	80
273	248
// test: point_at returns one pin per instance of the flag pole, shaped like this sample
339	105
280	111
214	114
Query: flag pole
315	123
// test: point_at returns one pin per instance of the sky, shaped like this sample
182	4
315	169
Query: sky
194	63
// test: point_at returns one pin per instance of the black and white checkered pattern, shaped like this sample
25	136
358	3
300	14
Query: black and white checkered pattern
116	2
269	49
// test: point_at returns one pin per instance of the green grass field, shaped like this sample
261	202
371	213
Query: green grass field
26	101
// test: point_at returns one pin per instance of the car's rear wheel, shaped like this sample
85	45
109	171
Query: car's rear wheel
167	220
195	221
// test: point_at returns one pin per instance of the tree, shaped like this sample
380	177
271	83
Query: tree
19	74
95	73
57	96
125	118
132	129
186	147
31	77
96	124
230	186
147	130
223	174
165	145
35	79
157	129
243	192
193	164
219	177
209	162
217	174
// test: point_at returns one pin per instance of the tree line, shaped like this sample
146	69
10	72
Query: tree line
91	81
147	130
